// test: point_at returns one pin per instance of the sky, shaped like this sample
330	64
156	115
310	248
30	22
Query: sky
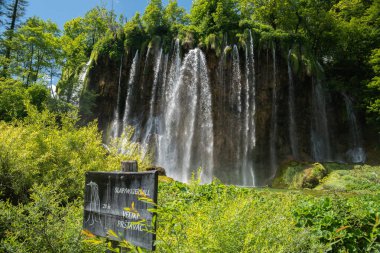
60	11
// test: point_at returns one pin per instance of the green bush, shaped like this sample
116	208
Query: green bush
219	218
43	161
344	224
360	178
12	99
38	95
48	223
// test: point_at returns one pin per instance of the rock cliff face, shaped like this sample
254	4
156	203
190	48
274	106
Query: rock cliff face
262	112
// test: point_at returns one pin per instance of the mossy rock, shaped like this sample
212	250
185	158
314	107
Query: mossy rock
313	175
295	175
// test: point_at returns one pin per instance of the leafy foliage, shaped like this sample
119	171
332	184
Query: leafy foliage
43	160
218	218
36	50
360	178
343	224
12	99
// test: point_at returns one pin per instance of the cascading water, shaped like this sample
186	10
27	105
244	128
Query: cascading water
252	99
292	108
164	79
131	89
356	153
116	124
188	122
320	139
164	139
249	134
174	72
223	90
236	81
235	102
81	79
151	125
273	123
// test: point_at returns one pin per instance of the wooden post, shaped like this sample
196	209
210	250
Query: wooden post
129	166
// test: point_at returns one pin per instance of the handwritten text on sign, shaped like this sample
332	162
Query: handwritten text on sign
116	202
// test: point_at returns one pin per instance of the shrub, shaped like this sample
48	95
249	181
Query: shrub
344	224
43	160
12	100
219	218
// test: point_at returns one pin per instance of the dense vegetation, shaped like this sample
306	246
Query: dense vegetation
44	153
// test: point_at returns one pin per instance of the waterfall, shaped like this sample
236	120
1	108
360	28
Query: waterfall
250	113
320	139
174	72
188	141
131	89
356	153
164	79
151	124
236	81
81	79
273	123
253	92
292	108
115	125
221	78
164	139
235	102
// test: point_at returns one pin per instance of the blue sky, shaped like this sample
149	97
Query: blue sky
61	11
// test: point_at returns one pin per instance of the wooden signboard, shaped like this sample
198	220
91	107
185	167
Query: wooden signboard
119	202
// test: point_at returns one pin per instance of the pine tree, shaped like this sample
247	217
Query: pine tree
2	4
14	11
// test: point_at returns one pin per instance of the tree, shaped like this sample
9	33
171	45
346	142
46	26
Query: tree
2	5
214	16
14	12
75	49
153	17
134	31
96	22
174	16
373	107
78	41
37	51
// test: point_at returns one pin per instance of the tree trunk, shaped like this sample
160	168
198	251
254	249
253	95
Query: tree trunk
30	67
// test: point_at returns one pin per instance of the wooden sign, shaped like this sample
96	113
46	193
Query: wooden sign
118	206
